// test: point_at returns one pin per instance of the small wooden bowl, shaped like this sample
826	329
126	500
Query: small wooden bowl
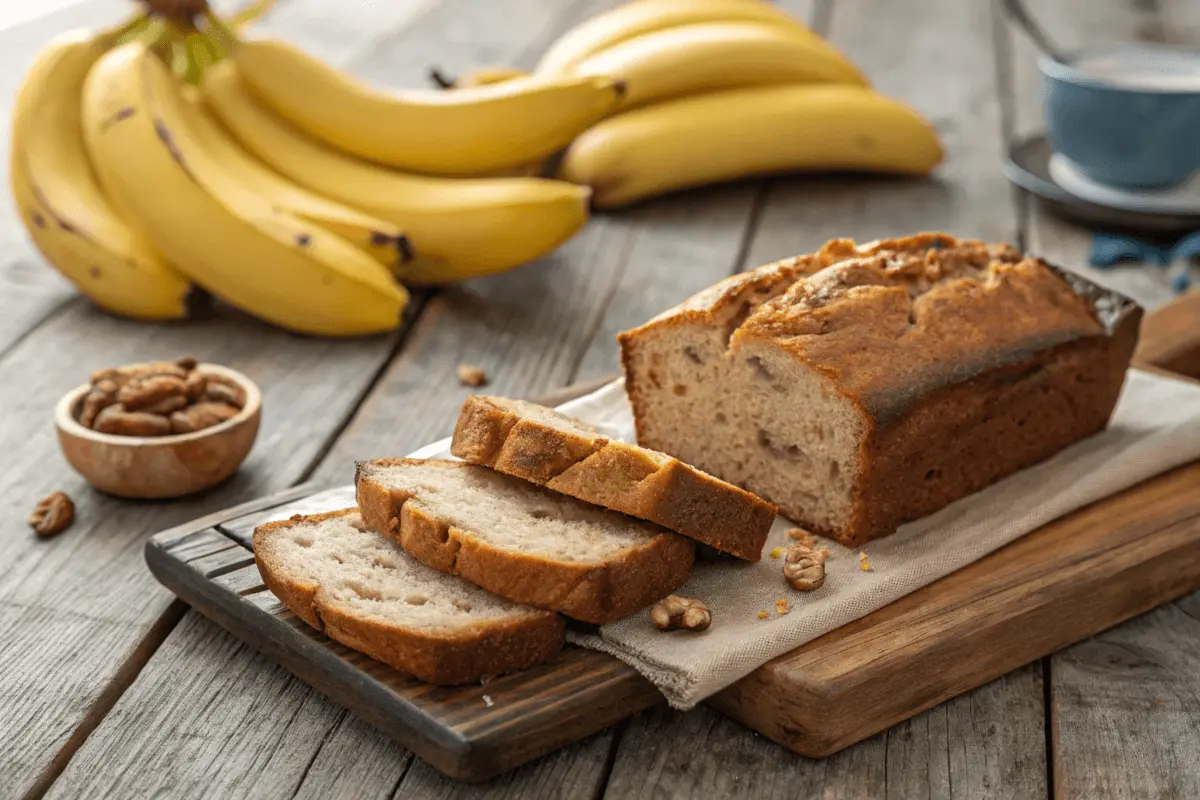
156	467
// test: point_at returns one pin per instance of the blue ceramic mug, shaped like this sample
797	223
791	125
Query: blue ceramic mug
1126	115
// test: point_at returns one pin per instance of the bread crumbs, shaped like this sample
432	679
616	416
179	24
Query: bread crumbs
864	564
487	701
803	537
763	615
824	551
776	552
781	607
471	375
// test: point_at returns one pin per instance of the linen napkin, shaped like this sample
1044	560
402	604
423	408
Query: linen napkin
1156	426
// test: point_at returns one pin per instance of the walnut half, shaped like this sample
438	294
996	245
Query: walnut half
54	514
684	613
804	567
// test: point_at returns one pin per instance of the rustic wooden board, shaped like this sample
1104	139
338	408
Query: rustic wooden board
1070	579
455	729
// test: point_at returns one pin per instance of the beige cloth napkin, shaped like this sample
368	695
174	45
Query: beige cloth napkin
1156	426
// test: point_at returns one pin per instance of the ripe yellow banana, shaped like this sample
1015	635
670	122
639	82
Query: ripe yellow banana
706	56
746	132
382	240
459	228
635	19
463	132
226	238
67	215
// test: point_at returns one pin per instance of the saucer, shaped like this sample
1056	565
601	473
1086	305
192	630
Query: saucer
1182	199
1028	166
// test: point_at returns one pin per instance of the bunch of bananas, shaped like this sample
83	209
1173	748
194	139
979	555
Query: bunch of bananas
160	156
719	90
172	153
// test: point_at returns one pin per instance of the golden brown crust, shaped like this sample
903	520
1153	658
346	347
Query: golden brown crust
966	436
595	593
892	327
642	483
924	335
471	653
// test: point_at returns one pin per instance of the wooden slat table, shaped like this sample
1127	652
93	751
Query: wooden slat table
111	688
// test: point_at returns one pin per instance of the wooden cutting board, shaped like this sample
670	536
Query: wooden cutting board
1064	582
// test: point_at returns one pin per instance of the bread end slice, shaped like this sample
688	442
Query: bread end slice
520	541
362	590
546	447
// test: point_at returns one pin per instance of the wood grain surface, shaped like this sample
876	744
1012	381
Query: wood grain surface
92	638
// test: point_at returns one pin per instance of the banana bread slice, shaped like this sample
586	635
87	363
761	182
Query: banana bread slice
861	387
362	590
564	454
521	541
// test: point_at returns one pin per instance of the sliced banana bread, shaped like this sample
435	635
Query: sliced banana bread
862	387
362	590
522	542
564	454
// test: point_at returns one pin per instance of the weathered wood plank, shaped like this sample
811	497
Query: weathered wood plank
250	692
962	748
703	754
987	743
572	772
354	761
1127	711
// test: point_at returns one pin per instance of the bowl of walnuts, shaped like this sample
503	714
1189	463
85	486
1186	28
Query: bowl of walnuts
159	429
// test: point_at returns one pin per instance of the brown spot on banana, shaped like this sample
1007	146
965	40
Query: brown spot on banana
303	239
164	135
38	219
122	114
401	243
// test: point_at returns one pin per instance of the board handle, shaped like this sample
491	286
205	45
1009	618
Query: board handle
1169	343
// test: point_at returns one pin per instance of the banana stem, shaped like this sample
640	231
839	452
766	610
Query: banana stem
250	13
440	79
221	33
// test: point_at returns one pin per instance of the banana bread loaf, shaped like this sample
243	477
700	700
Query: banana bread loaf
861	387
